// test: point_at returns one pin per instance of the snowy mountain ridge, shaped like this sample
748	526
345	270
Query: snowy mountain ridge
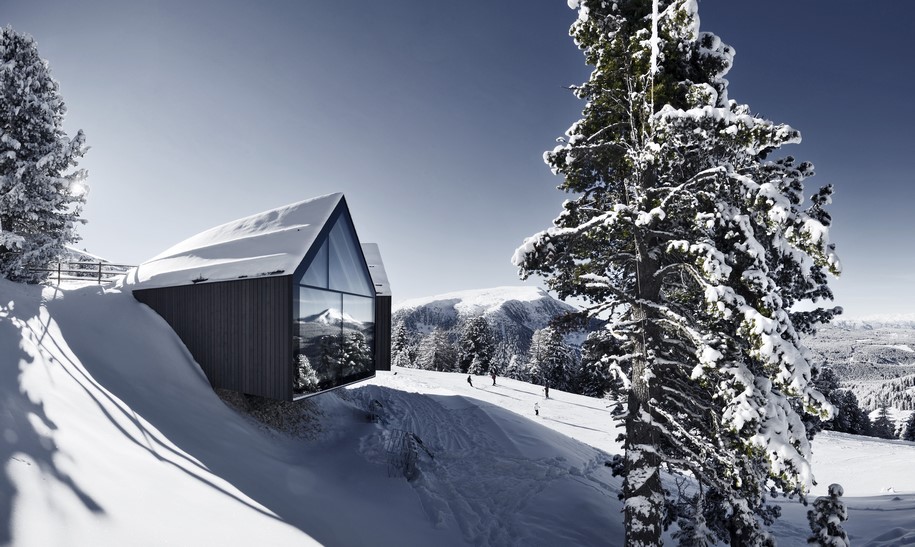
513	313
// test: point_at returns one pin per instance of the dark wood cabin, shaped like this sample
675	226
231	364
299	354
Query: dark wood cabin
283	304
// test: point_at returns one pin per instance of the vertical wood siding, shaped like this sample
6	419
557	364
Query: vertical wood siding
240	332
382	333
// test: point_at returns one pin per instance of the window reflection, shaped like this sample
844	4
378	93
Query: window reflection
347	270
334	339
316	274
358	334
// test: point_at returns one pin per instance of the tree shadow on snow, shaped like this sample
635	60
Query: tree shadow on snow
26	432
131	394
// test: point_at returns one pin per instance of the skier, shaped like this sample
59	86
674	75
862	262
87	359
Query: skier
469	381
546	391
493	374
536	409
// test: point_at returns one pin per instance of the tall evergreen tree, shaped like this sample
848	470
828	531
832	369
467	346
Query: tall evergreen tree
594	377
550	360
40	193
698	249
476	346
436	352
400	345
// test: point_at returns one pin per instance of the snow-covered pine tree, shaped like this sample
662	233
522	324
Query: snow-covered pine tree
306	379
550	360
883	426
849	416
697	248
506	348
355	354
593	376
826	519
40	194
436	352
476	346
908	432
516	369
400	346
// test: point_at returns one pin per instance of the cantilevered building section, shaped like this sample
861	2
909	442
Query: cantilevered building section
281	304
382	306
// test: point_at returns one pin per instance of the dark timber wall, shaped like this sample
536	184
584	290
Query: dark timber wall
240	332
382	333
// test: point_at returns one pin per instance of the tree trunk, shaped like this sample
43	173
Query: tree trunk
642	489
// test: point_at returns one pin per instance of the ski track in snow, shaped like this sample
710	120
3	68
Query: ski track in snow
483	475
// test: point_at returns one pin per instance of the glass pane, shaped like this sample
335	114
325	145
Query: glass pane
358	359
347	270
316	274
319	331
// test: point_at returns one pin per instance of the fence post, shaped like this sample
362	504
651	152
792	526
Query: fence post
99	272
58	273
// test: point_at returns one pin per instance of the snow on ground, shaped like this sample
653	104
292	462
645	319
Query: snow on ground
110	435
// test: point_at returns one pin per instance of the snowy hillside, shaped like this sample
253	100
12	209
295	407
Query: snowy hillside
112	436
875	359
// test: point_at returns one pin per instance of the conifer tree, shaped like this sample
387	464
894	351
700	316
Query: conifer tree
40	194
698	248
826	519
908	433
593	377
355	354
883	426
306	379
400	344
436	353
476	346
849	416
550	359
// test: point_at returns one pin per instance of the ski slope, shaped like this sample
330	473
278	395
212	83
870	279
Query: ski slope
110	435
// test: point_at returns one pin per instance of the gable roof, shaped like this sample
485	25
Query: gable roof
266	244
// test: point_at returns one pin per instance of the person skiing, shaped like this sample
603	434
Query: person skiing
536	409
546	391
469	381
493	374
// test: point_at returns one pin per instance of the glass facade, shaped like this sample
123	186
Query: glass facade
335	316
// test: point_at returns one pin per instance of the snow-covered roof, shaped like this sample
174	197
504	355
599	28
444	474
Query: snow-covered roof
266	244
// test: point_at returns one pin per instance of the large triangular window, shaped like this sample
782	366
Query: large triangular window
316	274
338	264
347	271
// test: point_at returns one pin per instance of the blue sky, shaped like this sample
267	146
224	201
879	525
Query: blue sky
432	118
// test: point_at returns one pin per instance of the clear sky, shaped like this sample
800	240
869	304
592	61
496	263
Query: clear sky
432	117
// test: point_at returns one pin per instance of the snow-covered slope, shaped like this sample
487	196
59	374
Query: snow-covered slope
110	435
